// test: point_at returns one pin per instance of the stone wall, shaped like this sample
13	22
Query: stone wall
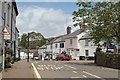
110	60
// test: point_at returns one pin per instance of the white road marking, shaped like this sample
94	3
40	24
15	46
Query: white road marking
70	67
44	65
36	72
84	76
40	68
47	68
74	77
92	75
51	67
56	68
36	62
48	65
74	71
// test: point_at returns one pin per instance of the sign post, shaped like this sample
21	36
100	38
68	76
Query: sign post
5	36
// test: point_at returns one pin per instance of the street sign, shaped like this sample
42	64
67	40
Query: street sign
5	33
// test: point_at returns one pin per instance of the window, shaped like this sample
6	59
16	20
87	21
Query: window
61	45
86	42
8	16
4	19
86	52
55	45
50	46
71	41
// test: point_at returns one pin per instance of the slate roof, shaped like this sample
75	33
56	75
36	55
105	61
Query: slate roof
60	39
77	32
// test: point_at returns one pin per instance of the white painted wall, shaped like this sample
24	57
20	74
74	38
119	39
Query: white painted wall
90	47
24	55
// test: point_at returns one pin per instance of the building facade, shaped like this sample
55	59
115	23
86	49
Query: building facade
8	14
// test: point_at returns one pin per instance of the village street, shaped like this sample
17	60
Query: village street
82	70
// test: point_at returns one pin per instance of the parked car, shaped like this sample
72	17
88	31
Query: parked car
63	57
36	58
47	58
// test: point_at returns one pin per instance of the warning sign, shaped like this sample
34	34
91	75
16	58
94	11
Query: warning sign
5	31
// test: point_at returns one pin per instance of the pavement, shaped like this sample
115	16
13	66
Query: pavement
20	70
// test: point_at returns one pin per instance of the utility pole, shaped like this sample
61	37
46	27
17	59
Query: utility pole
28	48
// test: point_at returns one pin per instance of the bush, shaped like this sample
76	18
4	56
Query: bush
9	51
8	62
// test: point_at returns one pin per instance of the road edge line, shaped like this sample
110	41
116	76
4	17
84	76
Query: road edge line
36	72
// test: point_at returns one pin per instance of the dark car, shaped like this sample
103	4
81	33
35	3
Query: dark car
63	57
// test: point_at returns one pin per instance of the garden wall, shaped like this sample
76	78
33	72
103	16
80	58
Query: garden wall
110	60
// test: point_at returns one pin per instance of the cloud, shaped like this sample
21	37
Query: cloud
48	21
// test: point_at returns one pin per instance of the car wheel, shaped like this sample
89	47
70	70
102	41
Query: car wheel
61	59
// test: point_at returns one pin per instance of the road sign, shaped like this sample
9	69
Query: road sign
5	31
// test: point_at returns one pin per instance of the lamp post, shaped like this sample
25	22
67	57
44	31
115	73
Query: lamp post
28	48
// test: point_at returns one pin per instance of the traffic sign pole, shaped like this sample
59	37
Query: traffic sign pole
3	49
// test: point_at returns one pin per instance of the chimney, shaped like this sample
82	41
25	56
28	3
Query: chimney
68	30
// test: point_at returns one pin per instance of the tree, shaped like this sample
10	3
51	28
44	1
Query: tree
23	41
35	40
102	19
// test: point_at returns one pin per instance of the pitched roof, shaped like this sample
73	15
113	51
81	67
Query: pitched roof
77	32
60	39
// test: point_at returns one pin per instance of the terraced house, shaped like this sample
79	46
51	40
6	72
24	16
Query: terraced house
8	14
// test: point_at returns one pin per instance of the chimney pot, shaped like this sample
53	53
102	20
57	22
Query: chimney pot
68	30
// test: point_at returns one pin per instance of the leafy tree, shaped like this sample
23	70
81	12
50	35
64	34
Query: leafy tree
35	40
23	41
101	18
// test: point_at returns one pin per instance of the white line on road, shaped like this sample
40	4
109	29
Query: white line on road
36	72
74	77
74	71
70	67
40	68
47	68
51	67
84	76
93	75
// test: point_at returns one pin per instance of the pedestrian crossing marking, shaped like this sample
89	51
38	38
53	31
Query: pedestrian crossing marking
49	67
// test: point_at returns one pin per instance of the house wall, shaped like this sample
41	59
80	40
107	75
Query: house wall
48	48
56	50
91	48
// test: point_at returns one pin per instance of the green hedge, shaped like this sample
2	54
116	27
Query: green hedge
108	60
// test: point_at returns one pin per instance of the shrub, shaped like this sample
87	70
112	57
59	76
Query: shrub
7	62
9	51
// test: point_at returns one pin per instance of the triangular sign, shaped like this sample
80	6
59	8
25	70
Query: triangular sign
5	31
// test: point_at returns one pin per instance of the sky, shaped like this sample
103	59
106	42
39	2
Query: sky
49	18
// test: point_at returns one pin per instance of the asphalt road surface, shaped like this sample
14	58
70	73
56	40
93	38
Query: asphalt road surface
73	70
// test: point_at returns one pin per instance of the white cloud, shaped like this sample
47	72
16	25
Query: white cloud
48	21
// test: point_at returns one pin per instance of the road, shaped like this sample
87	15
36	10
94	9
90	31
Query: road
76	70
